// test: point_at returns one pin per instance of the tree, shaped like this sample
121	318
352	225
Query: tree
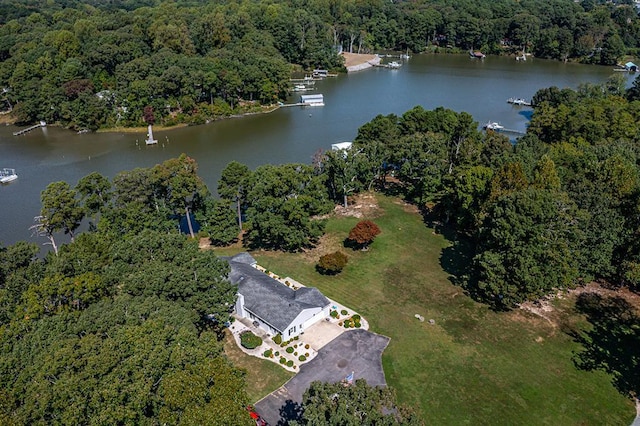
95	192
332	263
363	234
528	247
232	186
172	268
353	405
283	201
60	212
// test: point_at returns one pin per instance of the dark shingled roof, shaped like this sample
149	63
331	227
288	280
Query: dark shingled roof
267	298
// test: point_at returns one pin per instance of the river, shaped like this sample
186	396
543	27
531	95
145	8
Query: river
294	134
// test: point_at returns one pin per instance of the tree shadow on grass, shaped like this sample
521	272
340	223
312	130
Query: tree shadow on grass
457	258
613	344
290	411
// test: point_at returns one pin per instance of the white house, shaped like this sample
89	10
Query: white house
275	307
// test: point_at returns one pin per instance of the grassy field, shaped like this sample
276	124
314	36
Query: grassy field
473	366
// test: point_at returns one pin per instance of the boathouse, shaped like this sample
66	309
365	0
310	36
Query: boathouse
631	67
312	100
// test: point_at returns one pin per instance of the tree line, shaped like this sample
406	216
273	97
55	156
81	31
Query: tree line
98	64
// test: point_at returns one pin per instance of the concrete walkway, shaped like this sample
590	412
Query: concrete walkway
358	351
636	421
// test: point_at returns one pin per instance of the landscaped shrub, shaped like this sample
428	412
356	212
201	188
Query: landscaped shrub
289	363
333	314
282	360
344	312
362	235
250	340
289	350
332	263
356	317
277	339
295	353
307	355
268	353
302	358
306	346
277	353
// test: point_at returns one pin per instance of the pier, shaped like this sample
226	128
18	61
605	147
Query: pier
28	129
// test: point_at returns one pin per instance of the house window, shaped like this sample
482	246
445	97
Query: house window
292	330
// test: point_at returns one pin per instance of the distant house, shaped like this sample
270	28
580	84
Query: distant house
341	146
275	307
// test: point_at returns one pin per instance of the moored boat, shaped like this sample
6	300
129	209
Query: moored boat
8	175
493	125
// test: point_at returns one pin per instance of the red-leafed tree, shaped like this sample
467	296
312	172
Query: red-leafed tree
363	234
148	116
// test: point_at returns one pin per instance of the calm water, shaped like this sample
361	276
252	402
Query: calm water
286	135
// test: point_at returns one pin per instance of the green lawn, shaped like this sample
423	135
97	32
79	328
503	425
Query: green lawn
263	377
473	366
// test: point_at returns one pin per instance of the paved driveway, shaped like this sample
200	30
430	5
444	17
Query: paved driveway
359	351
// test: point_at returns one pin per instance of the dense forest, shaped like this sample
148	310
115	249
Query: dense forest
96	64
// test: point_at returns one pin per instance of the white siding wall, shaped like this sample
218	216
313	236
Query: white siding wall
240	306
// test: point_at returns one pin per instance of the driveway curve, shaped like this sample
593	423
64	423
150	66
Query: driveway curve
357	351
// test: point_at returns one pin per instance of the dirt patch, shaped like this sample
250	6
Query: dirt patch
353	59
362	205
327	244
545	308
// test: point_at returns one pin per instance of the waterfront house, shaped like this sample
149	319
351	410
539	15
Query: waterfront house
271	304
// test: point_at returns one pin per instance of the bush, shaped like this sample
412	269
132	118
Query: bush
250	340
289	350
302	358
289	363
268	353
333	314
344	312
306	346
356	317
362	234
277	339
282	360
277	353
332	263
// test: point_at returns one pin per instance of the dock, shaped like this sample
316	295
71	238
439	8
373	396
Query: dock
513	131
28	129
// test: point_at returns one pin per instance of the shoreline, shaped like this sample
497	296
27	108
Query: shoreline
359	61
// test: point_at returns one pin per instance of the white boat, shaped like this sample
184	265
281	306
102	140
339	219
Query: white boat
8	175
394	65
492	125
300	88
518	101
150	140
